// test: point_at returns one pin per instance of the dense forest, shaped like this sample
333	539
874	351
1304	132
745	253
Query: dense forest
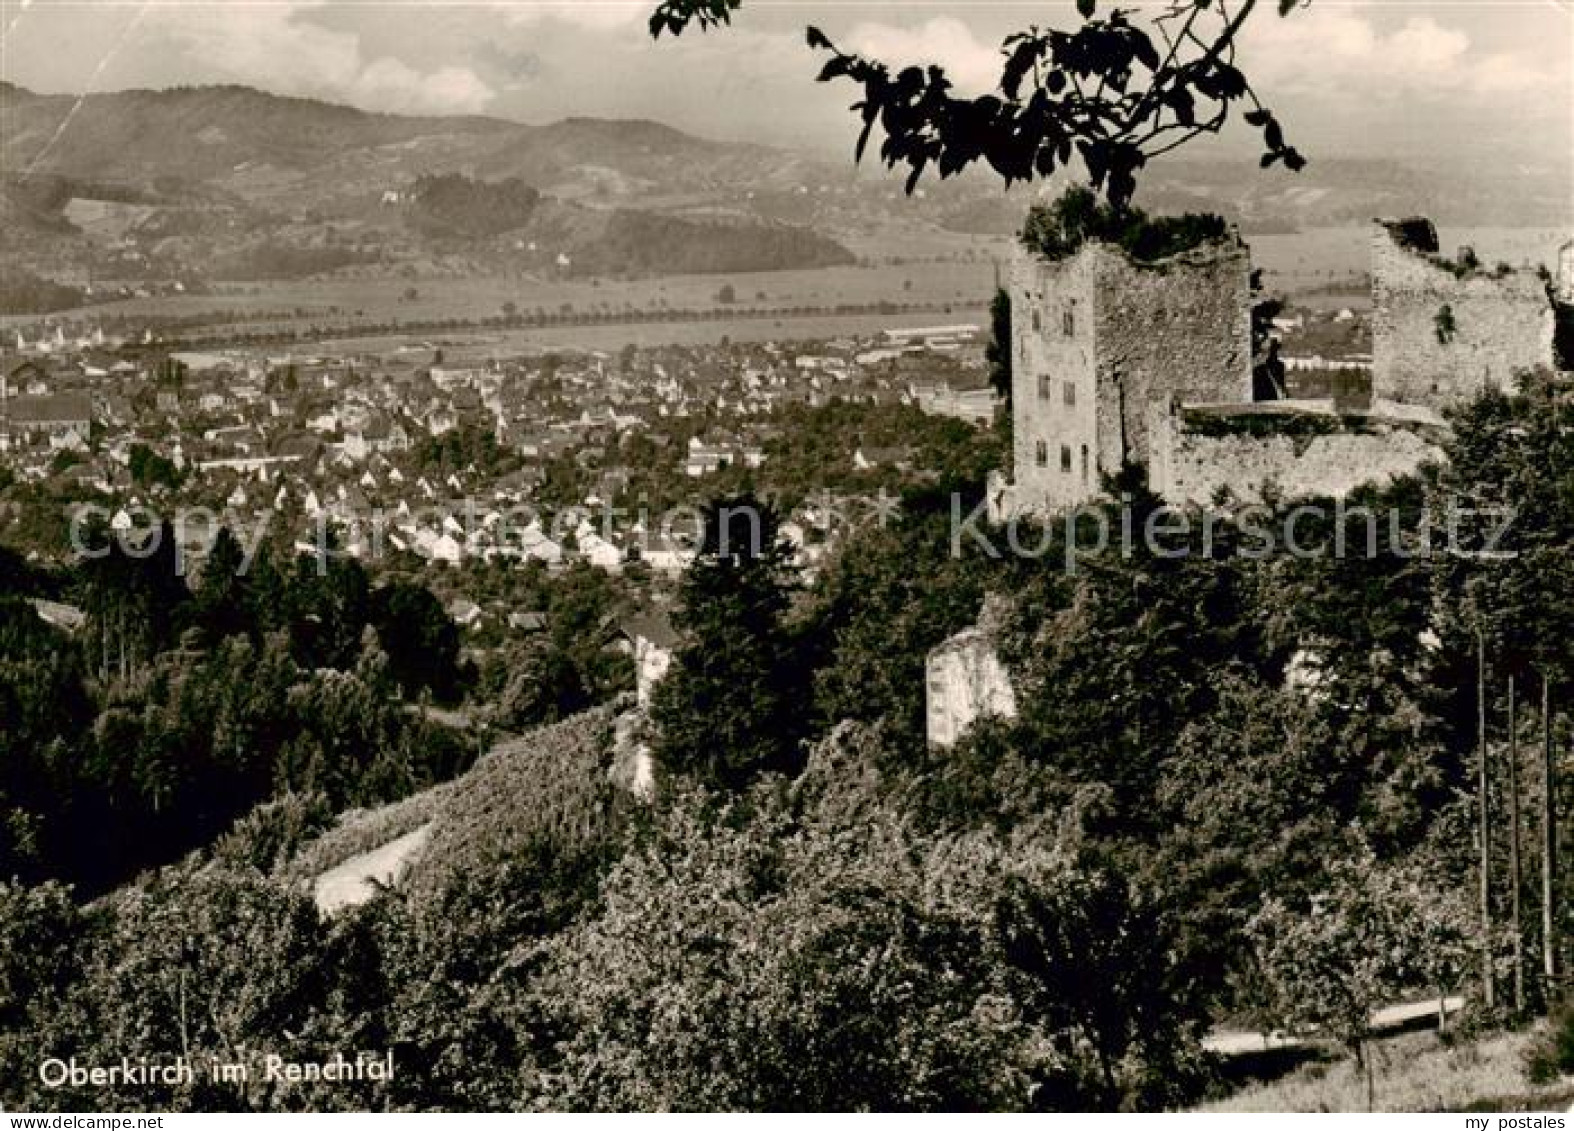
1240	786
452	205
173	711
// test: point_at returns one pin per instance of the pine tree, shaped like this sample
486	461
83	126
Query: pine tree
728	708
998	352
221	589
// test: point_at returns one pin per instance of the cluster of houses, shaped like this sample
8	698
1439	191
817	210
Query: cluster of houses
355	444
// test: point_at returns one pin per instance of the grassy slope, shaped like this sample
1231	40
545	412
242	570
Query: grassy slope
551	782
359	831
547	787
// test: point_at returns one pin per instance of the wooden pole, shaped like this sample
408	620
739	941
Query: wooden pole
1549	841
1516	872
1488	982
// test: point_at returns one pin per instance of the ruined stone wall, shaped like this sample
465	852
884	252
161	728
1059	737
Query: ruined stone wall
1053	364
965	680
1181	328
1192	462
1494	328
651	662
1096	338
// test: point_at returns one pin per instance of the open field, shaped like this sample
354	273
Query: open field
105	220
644	311
480	345
949	275
471	298
893	238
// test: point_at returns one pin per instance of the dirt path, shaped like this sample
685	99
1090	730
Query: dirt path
357	879
1228	1042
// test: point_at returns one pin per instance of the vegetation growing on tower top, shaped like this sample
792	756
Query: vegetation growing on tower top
1058	230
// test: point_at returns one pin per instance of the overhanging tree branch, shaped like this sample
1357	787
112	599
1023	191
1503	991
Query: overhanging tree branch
1103	92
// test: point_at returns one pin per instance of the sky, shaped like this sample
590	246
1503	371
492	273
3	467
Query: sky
1451	80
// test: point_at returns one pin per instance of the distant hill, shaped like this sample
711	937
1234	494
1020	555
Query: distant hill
1330	192
225	134
1334	191
234	182
141	138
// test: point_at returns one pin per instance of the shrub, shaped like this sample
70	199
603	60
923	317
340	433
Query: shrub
1552	1054
543	798
274	831
362	830
1059	230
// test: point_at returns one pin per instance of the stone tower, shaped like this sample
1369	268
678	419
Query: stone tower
1096	338
1442	330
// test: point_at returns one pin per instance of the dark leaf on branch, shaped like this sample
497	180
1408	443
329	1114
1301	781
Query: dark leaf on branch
835	67
674	16
1145	52
1028	51
1107	89
1231	83
863	139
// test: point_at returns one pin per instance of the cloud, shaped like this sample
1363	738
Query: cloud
592	15
271	46
742	83
972	66
393	86
1356	74
1423	48
1345	50
1502	73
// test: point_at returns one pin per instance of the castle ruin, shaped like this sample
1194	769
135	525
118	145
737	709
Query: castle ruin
965	679
1443	330
1098	338
1202	454
1116	360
